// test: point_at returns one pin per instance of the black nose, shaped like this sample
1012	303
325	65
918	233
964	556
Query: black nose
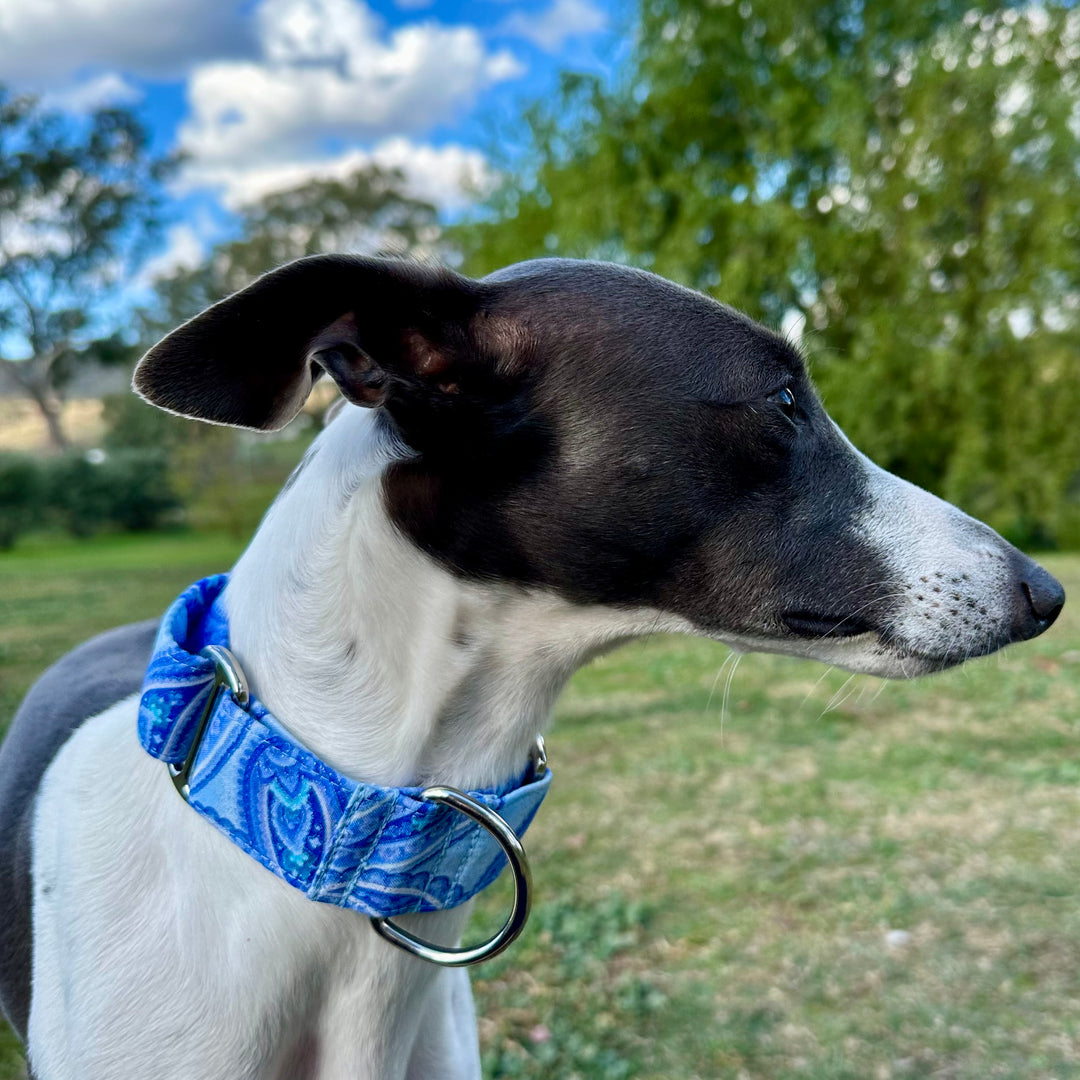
1040	602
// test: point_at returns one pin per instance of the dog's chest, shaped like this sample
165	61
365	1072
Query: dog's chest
157	940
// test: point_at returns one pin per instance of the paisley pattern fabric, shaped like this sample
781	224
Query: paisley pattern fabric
377	850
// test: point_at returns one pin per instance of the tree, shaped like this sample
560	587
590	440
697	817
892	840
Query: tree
902	174
78	202
365	212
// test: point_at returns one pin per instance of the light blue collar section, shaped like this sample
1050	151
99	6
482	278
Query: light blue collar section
380	851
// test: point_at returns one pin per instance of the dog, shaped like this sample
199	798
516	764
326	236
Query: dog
528	469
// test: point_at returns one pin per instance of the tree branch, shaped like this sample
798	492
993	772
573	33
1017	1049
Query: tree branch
15	368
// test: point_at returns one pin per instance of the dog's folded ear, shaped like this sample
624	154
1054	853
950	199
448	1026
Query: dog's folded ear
383	329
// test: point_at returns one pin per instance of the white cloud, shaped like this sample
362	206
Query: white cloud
43	43
327	70
550	29
445	175
185	248
97	92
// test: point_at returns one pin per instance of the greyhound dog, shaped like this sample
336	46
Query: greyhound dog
529	469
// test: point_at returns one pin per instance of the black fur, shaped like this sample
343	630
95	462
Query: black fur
250	360
641	462
581	426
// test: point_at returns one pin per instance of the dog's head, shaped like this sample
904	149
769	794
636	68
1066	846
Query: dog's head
602	433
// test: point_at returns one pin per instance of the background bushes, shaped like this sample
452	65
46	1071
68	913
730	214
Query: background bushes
86	493
21	483
153	470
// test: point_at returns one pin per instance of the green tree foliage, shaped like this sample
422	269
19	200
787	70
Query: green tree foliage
905	175
78	201
367	211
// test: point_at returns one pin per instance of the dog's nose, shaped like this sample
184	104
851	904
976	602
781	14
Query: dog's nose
1039	602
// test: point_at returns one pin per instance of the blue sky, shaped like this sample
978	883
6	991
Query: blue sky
262	94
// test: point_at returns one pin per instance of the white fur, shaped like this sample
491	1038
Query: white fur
949	573
940	561
947	581
160	948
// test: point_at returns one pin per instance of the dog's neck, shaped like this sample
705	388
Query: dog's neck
396	671
380	660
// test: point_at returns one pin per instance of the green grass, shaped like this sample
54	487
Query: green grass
54	593
715	889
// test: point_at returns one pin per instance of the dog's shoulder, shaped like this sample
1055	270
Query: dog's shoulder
82	684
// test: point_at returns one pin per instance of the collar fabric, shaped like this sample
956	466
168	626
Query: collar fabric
377	850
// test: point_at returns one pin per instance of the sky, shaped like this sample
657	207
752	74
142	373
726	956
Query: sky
263	94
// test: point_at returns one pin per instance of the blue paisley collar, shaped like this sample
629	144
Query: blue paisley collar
377	850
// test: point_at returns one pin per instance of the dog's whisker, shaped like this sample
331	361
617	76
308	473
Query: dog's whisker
878	691
719	675
727	694
838	698
817	683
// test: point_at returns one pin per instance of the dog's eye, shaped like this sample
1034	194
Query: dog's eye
786	400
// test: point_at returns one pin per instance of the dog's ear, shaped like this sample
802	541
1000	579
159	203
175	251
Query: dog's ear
383	329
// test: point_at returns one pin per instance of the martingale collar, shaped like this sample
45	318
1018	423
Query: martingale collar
381	851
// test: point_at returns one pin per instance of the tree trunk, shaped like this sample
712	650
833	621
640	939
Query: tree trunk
49	405
35	385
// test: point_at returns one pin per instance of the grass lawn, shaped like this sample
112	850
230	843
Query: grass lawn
824	879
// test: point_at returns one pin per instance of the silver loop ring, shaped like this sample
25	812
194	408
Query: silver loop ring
519	913
228	675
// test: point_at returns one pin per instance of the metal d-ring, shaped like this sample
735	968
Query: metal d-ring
519	866
228	675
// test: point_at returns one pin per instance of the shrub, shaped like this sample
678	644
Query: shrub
20	496
77	493
132	424
142	494
128	489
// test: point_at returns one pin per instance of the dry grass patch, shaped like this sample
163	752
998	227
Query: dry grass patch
22	427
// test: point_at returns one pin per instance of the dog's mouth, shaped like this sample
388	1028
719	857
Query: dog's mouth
810	624
883	655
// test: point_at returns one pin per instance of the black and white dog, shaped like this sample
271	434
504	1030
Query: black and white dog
544	463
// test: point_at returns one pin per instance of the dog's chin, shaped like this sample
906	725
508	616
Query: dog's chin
889	656
888	661
867	653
